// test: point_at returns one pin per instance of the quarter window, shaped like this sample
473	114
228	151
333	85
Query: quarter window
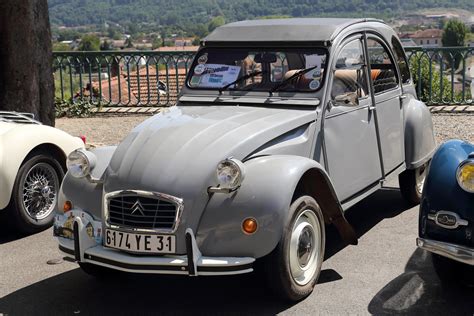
350	75
383	71
401	60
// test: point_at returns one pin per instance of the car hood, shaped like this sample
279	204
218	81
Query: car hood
180	148
5	127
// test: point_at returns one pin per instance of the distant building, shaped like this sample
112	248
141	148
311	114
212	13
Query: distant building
407	42
425	38
177	49
183	41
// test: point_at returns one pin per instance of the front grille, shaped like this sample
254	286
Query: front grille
141	212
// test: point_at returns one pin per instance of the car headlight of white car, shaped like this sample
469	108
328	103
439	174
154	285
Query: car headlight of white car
80	163
465	175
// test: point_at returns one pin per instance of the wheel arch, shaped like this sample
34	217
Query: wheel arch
315	183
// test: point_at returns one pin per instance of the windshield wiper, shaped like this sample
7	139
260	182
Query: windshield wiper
248	76
295	75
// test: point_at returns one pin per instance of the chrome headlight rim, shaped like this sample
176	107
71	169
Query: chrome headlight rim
89	161
238	166
462	165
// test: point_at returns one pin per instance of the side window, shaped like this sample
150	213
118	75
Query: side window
401	60
350	75
383	71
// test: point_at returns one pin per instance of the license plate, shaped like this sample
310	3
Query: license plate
144	243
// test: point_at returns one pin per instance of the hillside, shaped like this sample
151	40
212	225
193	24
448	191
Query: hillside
189	12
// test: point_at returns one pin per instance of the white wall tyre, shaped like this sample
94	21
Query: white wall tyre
34	196
294	266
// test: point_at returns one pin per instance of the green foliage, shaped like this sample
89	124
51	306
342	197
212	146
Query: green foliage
215	23
72	109
89	42
420	64
61	47
187	13
454	33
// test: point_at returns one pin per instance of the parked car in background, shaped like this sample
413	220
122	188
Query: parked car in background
281	126
447	212
32	165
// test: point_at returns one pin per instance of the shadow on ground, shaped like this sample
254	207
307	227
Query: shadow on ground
74	292
418	291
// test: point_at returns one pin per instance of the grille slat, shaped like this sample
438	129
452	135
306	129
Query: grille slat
141	212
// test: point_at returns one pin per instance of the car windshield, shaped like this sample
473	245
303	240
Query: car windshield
255	69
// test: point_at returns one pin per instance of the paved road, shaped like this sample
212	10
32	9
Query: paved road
384	274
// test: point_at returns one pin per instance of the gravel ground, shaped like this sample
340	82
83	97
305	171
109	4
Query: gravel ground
111	130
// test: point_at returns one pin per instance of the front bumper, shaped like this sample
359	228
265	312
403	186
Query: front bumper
452	251
83	249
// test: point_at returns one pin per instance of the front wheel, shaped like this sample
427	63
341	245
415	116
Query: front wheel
293	267
412	182
35	192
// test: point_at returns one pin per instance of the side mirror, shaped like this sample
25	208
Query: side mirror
349	98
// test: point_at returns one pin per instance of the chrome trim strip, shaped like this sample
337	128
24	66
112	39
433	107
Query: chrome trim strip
451	251
178	202
459	220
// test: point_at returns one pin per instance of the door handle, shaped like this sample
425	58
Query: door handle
403	96
371	108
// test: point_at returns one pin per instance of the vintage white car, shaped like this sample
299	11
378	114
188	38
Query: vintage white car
32	166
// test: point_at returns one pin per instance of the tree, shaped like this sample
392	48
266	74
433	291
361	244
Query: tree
105	45
89	42
454	35
61	47
26	74
215	23
128	42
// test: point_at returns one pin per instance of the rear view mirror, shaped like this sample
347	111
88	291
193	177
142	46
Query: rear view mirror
269	58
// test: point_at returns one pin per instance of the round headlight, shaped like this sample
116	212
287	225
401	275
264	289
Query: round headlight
79	164
230	174
465	175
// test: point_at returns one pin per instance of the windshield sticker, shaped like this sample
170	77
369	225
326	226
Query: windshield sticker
202	59
216	75
199	69
310	62
314	84
195	80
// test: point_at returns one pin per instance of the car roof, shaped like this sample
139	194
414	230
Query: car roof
282	30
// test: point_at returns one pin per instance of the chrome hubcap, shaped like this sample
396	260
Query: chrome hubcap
305	247
39	191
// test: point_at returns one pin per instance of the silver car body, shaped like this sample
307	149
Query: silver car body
286	142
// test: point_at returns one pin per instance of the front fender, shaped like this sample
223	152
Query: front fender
266	194
83	193
420	143
17	143
441	192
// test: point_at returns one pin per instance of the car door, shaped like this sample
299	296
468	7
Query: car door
387	91
350	140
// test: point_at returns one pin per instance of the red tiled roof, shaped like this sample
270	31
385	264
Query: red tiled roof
177	48
429	33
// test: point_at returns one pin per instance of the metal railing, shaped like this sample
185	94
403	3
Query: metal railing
443	75
151	79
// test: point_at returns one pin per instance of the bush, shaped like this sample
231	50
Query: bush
73	109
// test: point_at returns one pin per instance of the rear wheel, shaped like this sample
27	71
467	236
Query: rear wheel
35	192
293	268
412	182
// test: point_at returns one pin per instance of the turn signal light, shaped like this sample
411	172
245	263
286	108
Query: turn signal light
67	206
249	225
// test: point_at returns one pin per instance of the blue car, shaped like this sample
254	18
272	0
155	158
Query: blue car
446	223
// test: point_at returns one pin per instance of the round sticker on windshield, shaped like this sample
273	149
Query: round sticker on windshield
202	59
314	84
199	69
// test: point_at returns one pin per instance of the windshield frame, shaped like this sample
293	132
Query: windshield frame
240	92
